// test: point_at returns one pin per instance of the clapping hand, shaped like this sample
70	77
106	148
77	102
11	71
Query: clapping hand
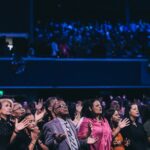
127	142
21	125
59	137
115	142
35	133
91	139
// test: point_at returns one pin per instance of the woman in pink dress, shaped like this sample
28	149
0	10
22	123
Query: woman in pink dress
95	125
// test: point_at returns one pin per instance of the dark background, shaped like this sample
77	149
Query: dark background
113	10
15	14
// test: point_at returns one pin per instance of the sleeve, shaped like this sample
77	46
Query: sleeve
48	136
147	128
84	130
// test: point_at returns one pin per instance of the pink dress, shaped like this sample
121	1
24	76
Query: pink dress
97	129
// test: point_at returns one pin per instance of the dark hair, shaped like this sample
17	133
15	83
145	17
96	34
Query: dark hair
108	114
127	110
89	104
24	116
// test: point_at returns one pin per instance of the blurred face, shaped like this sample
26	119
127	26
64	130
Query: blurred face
18	110
115	117
61	108
134	111
115	105
6	108
97	108
32	123
52	104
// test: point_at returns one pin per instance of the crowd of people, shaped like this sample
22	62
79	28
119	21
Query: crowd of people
87	39
83	39
115	123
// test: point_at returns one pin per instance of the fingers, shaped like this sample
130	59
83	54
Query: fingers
35	103
40	101
16	121
21	125
91	140
59	137
90	125
96	139
126	121
62	136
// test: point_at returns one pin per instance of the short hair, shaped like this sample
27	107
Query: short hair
2	100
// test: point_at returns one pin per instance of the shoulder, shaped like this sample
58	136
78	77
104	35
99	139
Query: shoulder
50	123
87	120
147	124
105	120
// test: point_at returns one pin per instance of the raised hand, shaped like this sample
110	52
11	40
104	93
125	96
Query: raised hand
123	123
39	105
21	125
39	115
127	142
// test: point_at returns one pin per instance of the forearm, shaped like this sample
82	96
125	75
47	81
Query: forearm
32	144
116	131
14	135
43	146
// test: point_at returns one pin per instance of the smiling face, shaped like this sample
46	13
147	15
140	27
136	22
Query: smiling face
97	108
134	111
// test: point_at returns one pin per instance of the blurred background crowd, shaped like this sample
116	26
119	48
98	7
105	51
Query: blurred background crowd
83	39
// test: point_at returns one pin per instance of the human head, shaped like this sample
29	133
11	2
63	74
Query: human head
113	117
60	108
31	120
6	107
92	108
17	110
115	105
132	111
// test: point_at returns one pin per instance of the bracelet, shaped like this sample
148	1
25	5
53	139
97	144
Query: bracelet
33	143
40	143
16	132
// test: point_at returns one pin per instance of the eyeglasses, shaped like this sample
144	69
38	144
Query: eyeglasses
61	106
19	108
